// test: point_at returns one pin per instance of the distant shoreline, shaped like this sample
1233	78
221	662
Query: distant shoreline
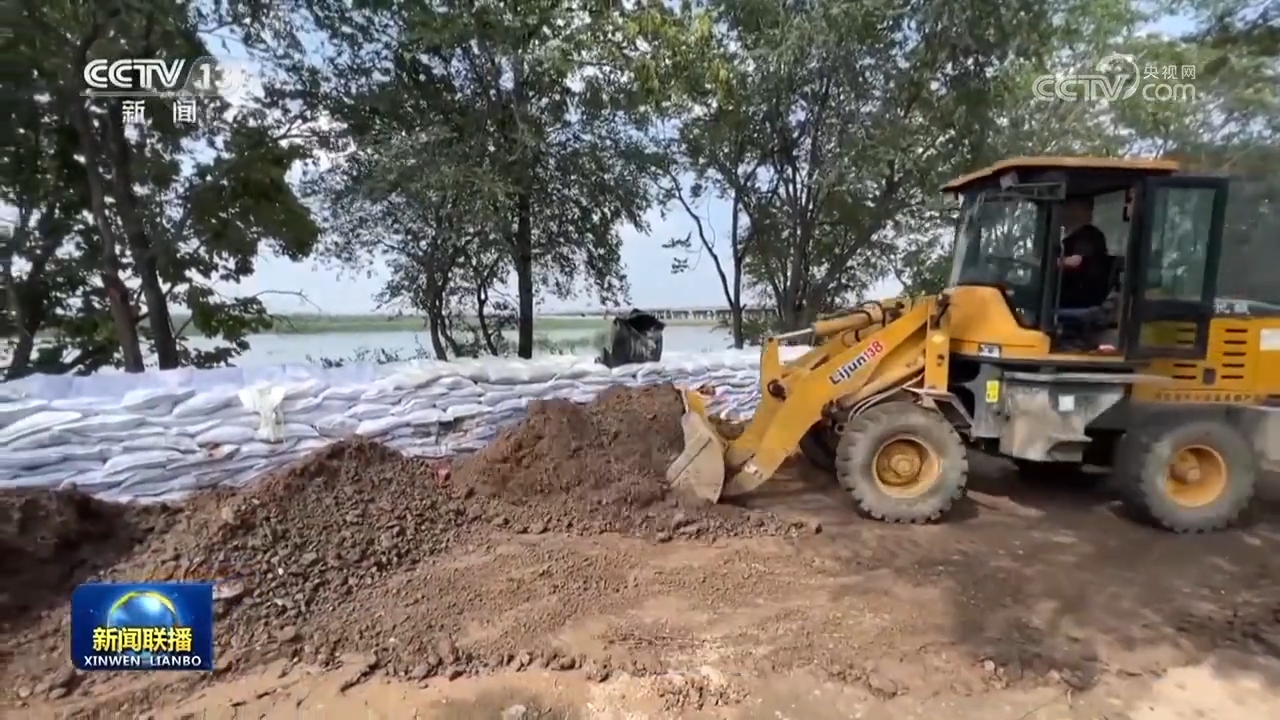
315	324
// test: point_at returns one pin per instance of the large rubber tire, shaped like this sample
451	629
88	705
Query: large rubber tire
817	449
860	445
1141	470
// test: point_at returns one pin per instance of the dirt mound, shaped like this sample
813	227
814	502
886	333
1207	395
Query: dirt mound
296	546
619	444
600	468
314	562
52	540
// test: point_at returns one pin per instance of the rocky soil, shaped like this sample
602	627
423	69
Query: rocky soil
559	551
311	561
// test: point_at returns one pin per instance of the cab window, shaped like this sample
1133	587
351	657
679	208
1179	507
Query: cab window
1247	276
1180	231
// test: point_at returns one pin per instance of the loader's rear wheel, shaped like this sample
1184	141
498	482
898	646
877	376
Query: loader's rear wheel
902	463
1187	477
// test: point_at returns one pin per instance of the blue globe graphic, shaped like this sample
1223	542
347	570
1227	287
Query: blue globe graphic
142	609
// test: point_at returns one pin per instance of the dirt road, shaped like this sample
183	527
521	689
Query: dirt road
1031	603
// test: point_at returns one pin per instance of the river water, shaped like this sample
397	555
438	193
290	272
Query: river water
273	349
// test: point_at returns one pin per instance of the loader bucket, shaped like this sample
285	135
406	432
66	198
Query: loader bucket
699	470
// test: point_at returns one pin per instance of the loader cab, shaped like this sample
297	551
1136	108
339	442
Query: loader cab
1154	266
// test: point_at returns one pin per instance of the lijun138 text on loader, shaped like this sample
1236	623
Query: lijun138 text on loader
1165	381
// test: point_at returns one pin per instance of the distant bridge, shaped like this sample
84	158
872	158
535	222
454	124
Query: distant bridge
678	313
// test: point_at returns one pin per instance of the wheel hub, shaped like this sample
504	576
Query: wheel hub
1196	476
906	466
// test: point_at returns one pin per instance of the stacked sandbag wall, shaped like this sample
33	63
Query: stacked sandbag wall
161	435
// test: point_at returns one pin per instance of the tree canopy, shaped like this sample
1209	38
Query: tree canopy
490	155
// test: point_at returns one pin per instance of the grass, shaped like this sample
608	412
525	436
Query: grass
314	324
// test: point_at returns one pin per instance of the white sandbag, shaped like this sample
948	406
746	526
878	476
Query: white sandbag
380	426
145	400
292	407
562	394
134	461
470	393
425	416
368	411
256	449
79	467
47	479
482	432
143	480
518	405
177	440
85	406
346	394
455	384
75	452
40	422
463	411
205	403
178	443
415	405
11	412
310	445
19	459
338	426
194	425
97	424
226	435
434	452
557	386
313	415
493	399
416	375
519	373
298	431
305	389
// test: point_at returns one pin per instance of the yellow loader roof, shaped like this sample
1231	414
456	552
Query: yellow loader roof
1140	165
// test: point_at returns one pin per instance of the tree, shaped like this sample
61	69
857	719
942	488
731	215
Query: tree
828	128
171	208
519	114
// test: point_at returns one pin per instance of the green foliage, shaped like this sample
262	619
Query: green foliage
115	224
489	155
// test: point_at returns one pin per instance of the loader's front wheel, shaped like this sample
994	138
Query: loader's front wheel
902	463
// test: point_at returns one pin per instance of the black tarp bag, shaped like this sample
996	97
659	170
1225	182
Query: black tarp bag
633	338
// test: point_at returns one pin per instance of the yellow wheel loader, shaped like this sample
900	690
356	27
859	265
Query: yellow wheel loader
1155	375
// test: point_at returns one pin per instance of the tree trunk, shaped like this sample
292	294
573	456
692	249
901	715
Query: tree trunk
145	263
735	301
122	316
524	275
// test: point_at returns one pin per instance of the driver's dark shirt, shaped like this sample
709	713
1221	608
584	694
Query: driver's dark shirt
1088	284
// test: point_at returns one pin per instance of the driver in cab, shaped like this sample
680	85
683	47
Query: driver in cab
1086	270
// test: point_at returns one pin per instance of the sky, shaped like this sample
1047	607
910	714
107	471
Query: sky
648	267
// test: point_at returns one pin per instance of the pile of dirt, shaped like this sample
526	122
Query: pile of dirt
51	540
301	542
311	562
601	468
